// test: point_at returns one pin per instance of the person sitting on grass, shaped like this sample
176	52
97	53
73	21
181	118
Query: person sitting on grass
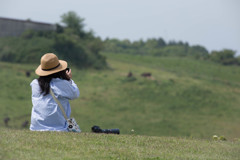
53	75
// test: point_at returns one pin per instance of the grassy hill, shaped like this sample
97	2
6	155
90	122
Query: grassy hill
184	97
27	145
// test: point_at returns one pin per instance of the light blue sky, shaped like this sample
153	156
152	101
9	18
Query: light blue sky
214	24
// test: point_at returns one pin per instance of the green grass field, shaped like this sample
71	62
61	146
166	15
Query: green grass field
184	97
174	114
27	145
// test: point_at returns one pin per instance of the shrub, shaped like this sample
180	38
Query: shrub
226	57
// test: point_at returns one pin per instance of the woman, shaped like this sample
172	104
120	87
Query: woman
46	114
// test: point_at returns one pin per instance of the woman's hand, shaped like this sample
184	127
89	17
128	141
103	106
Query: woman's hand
69	73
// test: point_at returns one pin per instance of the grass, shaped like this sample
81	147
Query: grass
184	98
198	69
24	144
174	114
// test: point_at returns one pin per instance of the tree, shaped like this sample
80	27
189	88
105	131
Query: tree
73	21
198	52
67	46
161	42
238	60
226	56
151	43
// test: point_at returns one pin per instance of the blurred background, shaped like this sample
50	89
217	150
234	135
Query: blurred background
159	68
213	24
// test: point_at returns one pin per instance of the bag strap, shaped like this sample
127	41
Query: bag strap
59	104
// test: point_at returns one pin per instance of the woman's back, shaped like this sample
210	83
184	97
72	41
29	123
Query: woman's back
46	114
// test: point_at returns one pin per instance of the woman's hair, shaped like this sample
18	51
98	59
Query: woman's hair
44	81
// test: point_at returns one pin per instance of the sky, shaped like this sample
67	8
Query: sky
214	24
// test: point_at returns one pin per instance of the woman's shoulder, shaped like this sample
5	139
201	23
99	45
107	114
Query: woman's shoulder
34	82
58	81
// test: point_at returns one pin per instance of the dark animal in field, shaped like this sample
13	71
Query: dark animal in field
147	74
25	124
28	74
130	74
6	120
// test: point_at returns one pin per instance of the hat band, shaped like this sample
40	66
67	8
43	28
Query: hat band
51	68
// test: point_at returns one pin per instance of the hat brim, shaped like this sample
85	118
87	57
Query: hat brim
61	67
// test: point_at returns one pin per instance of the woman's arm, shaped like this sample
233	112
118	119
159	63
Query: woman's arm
65	88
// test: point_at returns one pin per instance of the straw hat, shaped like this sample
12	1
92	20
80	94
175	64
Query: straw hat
50	64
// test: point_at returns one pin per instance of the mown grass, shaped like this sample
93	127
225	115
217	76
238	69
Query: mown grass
24	144
184	98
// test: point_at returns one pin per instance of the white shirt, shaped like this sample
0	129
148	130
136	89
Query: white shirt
46	114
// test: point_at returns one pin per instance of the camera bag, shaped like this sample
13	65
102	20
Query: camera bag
71	122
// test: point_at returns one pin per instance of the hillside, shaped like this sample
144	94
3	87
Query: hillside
184	97
27	145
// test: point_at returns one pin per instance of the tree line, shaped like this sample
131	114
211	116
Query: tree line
159	47
82	48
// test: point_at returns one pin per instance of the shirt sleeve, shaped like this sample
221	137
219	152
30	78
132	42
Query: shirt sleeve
64	88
